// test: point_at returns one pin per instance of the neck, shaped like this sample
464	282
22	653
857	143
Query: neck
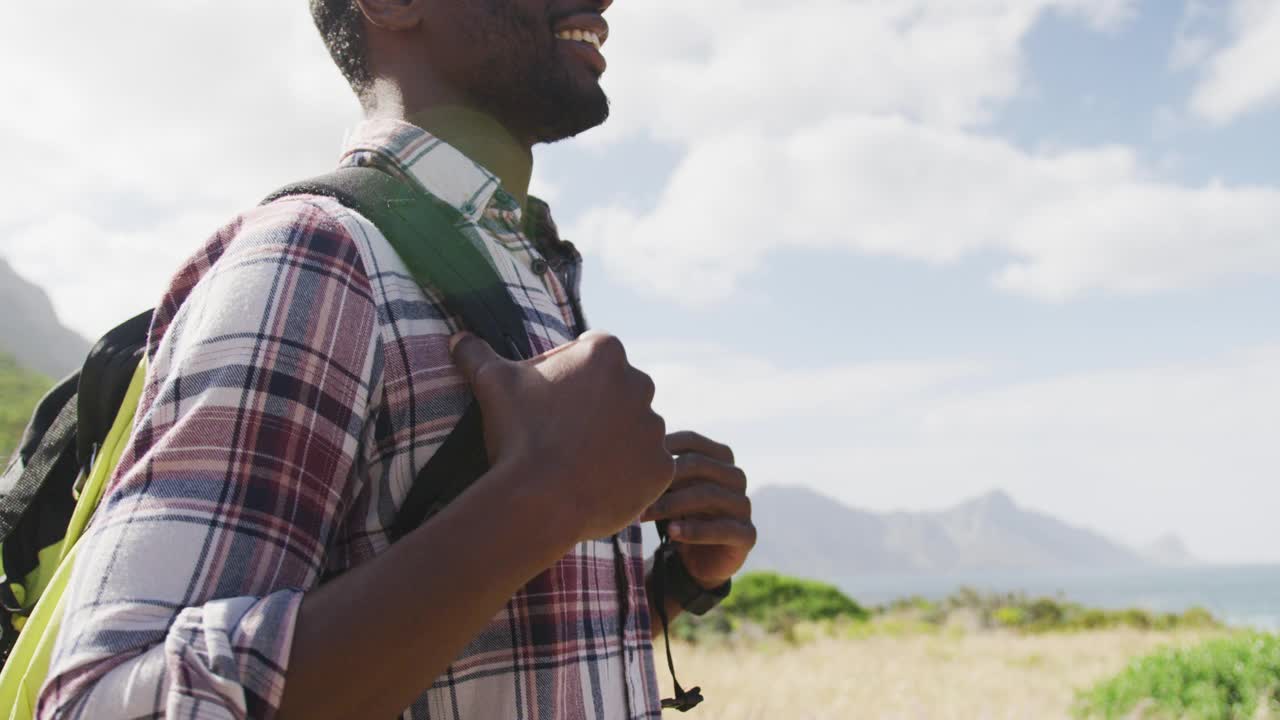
475	134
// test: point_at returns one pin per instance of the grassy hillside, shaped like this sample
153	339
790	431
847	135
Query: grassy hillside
20	390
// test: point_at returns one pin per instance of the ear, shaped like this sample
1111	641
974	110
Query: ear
393	14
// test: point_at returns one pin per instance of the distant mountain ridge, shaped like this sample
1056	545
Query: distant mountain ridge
1168	550
807	534
30	330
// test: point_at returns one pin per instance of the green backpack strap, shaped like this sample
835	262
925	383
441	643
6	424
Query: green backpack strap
427	236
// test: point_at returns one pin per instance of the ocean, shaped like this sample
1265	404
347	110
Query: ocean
1243	596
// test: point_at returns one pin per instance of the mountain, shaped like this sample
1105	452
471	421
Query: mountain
30	330
807	534
1168	550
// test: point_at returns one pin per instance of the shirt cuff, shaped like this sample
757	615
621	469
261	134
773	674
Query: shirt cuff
234	652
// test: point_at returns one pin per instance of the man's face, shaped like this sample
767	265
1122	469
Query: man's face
532	64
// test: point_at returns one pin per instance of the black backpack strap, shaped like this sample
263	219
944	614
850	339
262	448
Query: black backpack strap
48	443
426	235
104	380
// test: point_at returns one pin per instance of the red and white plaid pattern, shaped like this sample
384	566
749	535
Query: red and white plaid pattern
299	378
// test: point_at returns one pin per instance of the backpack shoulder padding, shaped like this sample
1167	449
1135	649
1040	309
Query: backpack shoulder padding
427	236
104	379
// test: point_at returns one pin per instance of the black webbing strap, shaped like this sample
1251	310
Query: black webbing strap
426	235
682	700
23	480
104	381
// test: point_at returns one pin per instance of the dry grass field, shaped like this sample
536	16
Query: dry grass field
944	675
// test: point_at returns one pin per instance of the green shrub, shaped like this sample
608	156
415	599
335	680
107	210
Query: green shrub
1227	678
1009	616
769	598
1198	617
1045	614
911	603
774	604
1094	619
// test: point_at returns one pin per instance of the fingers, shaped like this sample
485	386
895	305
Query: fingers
714	531
692	468
687	441
702	499
472	356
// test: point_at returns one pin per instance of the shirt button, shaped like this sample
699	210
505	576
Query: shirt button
539	266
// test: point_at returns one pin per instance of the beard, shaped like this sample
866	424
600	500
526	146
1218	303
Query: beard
526	82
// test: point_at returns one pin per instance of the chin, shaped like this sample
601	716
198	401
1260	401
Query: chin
568	119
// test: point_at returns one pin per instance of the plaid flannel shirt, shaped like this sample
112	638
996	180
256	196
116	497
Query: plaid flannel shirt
299	378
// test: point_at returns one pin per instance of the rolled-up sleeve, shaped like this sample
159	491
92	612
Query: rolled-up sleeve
244	458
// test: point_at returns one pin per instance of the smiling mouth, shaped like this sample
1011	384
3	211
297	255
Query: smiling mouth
582	36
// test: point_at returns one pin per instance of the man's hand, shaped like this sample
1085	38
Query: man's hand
708	508
576	453
582	414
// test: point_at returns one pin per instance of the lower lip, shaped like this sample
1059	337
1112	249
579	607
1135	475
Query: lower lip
587	52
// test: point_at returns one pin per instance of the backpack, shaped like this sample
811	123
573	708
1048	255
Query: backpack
75	437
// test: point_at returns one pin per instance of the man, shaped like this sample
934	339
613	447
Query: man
297	381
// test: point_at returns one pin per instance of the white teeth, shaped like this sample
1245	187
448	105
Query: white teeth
585	36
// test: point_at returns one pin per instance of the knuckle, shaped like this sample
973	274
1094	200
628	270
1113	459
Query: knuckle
660	425
493	373
746	505
691	465
665	468
679	437
607	346
696	438
699	464
752	535
703	495
648	388
684	464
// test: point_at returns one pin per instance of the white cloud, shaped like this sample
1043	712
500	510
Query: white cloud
689	71
1244	75
98	277
1193	42
704	385
1135	453
1067	221
860	127
141	126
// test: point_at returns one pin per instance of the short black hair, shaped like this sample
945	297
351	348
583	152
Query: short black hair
341	26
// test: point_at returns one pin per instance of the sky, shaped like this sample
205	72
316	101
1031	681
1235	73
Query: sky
902	252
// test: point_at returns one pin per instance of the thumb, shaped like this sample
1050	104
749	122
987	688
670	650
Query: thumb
471	354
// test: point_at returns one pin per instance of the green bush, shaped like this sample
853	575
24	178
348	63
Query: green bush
766	597
770	603
1227	678
1009	616
1019	612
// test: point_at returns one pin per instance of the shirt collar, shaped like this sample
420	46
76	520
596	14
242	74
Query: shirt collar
438	167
